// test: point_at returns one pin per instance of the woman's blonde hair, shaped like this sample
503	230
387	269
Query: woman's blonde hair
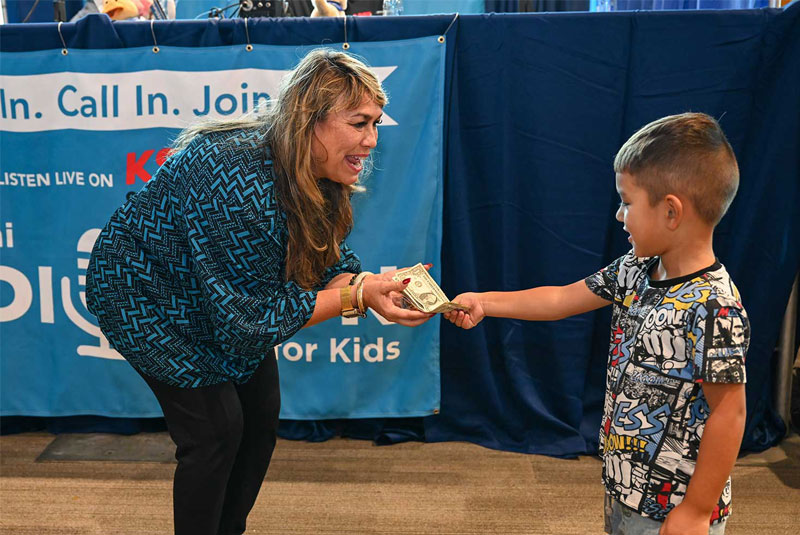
319	215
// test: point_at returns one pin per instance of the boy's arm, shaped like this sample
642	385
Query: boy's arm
719	447
545	303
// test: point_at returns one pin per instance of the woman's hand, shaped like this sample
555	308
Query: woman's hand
467	320
382	295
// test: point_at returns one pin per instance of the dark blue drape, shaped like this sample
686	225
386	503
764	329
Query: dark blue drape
537	106
530	198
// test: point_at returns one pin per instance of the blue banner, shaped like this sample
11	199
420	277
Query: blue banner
82	131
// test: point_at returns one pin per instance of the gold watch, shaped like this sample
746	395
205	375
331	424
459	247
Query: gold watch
348	310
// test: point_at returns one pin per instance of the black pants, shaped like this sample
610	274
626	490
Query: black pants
225	435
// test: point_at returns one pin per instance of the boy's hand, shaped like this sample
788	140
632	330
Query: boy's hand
685	520
466	320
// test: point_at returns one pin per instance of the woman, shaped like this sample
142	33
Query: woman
235	245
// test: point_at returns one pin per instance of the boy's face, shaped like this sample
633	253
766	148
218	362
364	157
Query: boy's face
643	222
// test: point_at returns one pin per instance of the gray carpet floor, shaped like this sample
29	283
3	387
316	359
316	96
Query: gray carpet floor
49	485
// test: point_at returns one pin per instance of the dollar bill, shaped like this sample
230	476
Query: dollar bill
423	293
446	307
449	307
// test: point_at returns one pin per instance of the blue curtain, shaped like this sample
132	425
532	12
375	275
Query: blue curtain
529	199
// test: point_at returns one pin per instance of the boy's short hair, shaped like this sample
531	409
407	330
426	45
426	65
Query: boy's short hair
683	154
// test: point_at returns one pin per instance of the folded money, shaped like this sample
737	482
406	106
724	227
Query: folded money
423	293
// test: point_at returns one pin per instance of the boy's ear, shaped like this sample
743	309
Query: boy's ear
674	211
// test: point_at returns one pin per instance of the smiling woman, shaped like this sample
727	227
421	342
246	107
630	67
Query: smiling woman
252	215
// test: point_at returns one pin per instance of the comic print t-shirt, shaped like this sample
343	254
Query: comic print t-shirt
667	338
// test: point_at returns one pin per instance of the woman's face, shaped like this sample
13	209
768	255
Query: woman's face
343	140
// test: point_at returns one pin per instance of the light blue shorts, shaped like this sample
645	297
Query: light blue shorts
622	520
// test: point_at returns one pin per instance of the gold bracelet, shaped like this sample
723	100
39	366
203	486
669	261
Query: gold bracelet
360	277
360	300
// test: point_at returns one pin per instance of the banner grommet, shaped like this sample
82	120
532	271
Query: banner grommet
441	37
153	33
64	50
249	47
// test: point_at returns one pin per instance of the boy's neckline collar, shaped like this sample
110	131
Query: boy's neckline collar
651	265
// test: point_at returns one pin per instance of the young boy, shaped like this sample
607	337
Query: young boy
674	409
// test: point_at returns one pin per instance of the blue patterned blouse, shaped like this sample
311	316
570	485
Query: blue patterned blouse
187	278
